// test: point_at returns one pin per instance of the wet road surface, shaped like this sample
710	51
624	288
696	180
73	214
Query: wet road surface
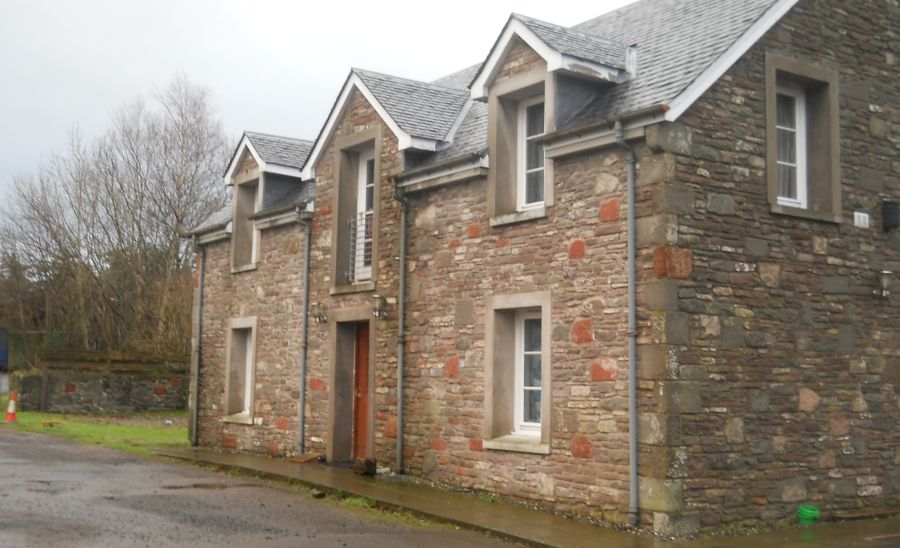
58	493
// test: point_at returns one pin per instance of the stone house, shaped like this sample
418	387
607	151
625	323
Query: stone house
637	269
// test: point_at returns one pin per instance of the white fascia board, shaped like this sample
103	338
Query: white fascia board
715	71
556	61
404	139
580	67
245	143
282	170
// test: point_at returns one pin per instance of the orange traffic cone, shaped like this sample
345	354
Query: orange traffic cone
11	408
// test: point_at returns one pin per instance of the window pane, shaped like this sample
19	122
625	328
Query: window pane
534	187
532	374
787	181
787	146
786	107
534	120
370	197
370	172
534	157
532	334
532	406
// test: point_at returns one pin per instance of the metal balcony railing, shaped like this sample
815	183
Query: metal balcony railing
360	248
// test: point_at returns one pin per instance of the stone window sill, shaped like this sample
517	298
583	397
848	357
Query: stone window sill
519	216
239	418
243	268
353	288
812	215
518	444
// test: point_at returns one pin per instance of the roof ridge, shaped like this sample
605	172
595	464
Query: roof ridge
358	70
285	137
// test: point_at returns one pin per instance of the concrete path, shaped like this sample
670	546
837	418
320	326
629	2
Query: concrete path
59	493
533	526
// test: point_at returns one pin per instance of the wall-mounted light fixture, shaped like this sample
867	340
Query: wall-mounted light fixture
379	307
318	314
884	283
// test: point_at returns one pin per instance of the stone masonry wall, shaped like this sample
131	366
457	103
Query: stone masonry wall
786	378
93	383
455	261
358	116
273	292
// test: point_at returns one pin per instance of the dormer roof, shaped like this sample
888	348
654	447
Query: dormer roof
564	49
421	115
273	153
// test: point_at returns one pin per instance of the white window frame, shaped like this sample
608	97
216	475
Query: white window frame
799	96
522	139
245	415
522	427
361	270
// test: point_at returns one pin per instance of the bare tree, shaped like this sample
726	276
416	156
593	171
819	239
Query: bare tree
97	231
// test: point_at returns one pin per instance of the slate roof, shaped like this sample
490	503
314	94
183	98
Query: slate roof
676	40
283	151
215	221
576	43
421	109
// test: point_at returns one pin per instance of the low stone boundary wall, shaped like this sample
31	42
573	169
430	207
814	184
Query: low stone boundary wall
107	383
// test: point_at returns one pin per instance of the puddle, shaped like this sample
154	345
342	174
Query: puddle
208	486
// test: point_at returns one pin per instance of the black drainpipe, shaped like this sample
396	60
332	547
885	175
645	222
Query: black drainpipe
401	317
304	338
198	346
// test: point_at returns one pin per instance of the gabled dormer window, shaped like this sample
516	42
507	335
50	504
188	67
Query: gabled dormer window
530	151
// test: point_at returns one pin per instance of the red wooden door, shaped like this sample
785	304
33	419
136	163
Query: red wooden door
361	393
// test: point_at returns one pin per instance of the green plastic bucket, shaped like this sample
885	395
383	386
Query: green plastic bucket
808	514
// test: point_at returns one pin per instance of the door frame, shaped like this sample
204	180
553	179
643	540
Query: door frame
339	440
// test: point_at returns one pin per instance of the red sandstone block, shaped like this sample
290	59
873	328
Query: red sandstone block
325	210
229	442
473	231
609	210
673	262
601	371
282	423
454	243
175	382
476	445
69	388
451	367
317	385
159	390
439	444
390	427
581	331
581	447
576	250
840	424
502	243
274	450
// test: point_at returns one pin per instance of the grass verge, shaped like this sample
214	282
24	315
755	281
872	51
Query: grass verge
137	433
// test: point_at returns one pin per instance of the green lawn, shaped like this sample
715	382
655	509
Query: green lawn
138	433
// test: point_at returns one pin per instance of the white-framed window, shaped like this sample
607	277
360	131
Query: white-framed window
790	129
245	236
528	373
530	154
240	369
365	204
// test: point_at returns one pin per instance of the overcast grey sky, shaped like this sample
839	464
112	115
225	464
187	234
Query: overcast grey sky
270	65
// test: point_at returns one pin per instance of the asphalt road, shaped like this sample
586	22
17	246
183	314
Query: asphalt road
58	493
